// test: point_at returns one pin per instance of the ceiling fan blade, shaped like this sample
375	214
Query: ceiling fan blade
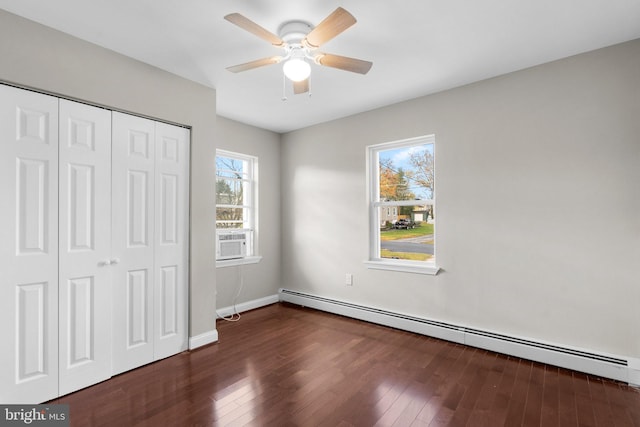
301	86
332	25
255	64
253	28
344	63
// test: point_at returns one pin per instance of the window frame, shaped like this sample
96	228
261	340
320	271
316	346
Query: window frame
374	204
249	206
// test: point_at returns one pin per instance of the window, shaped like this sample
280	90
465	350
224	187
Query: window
401	178
236	207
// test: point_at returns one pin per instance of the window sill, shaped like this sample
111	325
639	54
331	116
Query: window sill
405	267
238	261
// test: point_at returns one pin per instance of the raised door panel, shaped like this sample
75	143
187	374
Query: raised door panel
171	240
84	245
133	225
28	246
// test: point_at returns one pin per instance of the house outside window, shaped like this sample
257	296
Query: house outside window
401	180
236	207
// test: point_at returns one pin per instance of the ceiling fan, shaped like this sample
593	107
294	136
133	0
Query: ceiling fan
300	42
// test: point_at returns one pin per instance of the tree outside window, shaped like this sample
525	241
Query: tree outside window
232	180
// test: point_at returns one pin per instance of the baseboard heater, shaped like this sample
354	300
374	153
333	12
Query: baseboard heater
608	366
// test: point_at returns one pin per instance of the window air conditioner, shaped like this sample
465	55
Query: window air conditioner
231	245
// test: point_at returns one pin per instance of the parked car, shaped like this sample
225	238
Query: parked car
404	224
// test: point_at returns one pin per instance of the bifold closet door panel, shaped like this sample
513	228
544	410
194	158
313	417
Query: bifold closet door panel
171	237
84	245
28	246
133	225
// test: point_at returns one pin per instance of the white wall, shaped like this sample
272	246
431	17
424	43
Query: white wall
538	202
262	279
39	57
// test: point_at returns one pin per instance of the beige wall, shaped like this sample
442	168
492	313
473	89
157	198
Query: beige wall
262	279
41	58
538	202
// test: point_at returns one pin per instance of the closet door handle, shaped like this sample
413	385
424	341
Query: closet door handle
105	263
115	260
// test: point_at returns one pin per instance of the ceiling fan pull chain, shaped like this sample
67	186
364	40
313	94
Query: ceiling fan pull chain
284	88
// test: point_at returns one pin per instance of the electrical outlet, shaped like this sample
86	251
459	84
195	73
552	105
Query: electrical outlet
348	279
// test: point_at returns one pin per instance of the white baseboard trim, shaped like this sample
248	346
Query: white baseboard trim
246	306
634	372
604	365
203	339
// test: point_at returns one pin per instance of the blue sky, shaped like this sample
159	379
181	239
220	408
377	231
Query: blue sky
400	159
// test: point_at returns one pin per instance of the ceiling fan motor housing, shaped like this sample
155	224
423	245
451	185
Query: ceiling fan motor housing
292	32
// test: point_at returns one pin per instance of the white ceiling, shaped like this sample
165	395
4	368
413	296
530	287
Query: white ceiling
417	47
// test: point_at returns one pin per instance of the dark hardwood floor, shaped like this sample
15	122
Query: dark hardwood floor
283	365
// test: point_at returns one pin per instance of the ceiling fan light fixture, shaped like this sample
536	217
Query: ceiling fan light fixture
296	69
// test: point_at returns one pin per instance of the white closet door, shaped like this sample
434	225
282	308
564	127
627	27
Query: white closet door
133	173
171	237
85	245
28	246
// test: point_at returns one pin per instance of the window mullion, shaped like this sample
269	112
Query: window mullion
429	202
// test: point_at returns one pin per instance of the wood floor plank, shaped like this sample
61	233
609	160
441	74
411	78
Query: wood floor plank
515	411
500	405
284	365
448	390
486	388
623	409
583	400
533	407
549	412
567	408
601	407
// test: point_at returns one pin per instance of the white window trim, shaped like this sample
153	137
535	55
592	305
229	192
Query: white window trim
253	257
375	261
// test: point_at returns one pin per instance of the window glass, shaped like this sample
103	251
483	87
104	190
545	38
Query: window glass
233	188
235	204
402	178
